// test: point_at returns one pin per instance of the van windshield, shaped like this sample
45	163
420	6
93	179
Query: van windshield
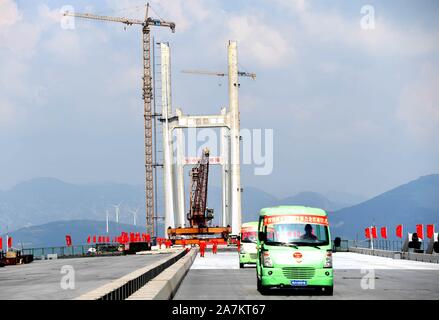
249	236
303	232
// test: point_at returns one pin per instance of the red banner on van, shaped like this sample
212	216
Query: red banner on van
299	218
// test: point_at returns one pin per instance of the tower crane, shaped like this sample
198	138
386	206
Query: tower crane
147	96
220	74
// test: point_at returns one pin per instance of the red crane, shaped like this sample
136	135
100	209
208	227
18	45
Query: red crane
199	216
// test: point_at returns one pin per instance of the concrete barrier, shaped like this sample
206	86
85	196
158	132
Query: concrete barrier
125	286
165	285
424	257
397	255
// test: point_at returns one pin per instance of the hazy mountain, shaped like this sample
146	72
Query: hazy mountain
312	199
53	234
345	199
416	202
43	200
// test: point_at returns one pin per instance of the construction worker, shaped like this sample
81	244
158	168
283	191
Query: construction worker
238	244
202	248
215	247
183	243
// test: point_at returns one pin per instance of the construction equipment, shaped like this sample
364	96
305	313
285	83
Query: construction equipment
14	257
220	74
199	216
147	97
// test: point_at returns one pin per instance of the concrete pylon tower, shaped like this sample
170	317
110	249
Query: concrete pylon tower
234	138
167	136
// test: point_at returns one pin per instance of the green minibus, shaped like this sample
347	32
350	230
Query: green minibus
294	249
248	239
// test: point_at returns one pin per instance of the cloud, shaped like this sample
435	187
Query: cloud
419	105
259	42
330	27
9	14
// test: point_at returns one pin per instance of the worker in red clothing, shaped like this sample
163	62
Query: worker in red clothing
215	247
238	244
183	243
202	248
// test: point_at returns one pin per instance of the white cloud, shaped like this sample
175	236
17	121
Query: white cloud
386	39
9	14
419	105
259	42
9	114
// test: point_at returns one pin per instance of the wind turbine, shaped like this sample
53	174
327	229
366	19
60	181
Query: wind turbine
107	220
117	208
135	215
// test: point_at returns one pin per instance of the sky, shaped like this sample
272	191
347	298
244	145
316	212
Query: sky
352	109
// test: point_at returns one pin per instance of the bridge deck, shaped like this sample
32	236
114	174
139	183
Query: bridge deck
41	279
219	277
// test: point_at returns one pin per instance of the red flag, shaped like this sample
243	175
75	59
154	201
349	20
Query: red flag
367	233
384	232
94	239
420	231
430	231
399	231
9	242
108	239
88	239
1	243
374	232
147	237
68	240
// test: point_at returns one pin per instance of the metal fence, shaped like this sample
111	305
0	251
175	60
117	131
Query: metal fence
389	245
38	253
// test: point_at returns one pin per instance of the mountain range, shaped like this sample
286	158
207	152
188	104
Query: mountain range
416	202
53	234
44	202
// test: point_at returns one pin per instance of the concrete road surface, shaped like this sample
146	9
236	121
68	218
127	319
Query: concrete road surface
356	276
42	279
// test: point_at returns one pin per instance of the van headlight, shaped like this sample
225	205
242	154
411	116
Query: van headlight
328	260
266	260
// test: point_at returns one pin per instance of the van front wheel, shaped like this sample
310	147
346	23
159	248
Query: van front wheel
262	290
328	290
241	265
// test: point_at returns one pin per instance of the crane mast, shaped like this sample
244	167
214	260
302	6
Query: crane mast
199	215
147	98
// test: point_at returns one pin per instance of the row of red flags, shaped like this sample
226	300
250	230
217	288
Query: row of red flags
371	232
9	244
123	238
